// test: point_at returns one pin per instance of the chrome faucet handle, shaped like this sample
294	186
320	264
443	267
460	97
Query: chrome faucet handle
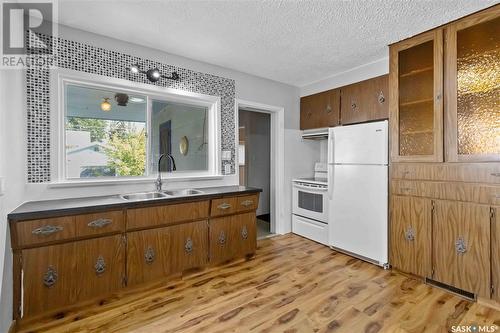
158	184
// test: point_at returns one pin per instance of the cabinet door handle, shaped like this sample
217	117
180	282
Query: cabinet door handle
247	203
353	106
222	238
410	234
244	232
188	247
328	109
224	206
460	245
50	277
99	223
406	189
495	174
47	230
381	97
149	255
100	266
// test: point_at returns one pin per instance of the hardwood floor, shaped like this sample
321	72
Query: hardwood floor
291	285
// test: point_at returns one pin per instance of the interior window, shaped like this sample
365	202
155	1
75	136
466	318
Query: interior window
105	133
179	130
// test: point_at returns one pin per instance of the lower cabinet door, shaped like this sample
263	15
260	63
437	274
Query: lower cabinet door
461	246
232	237
189	245
410	235
59	275
149	255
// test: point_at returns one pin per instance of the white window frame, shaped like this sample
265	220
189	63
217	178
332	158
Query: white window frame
60	78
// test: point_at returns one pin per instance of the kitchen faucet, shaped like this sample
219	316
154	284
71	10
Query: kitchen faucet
158	182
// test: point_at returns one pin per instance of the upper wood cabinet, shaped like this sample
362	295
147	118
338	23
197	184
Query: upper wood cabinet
365	101
416	101
320	110
472	82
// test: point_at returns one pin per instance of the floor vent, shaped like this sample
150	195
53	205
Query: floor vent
459	292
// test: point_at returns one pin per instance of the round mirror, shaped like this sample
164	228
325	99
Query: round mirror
184	145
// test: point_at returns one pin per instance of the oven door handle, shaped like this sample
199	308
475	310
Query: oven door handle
311	188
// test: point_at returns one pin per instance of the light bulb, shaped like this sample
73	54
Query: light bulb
106	105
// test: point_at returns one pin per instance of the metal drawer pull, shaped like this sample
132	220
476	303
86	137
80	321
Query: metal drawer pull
460	245
353	105
222	238
244	232
99	223
495	174
224	206
100	266
406	189
149	255
188	247
381	97
47	230
50	277
247	203
410	234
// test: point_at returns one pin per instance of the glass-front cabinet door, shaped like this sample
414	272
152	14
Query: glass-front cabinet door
416	103
472	80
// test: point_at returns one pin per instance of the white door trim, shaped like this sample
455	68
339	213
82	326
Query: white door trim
277	180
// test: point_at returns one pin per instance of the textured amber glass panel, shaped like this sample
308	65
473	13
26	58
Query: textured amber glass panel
416	96
478	89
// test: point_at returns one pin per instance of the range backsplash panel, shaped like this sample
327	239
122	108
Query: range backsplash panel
90	59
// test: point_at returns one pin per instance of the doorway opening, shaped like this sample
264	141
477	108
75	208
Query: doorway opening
254	162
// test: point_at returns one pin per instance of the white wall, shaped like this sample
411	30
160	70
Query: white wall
13	141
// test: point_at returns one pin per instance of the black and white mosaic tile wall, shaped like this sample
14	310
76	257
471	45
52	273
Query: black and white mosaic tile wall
95	60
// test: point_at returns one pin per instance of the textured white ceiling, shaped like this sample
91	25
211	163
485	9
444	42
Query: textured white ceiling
295	42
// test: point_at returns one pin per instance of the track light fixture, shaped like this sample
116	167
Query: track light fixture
153	74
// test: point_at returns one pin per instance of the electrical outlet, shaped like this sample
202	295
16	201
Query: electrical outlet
227	169
226	155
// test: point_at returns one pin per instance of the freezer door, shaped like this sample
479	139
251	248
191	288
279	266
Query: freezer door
358	211
359	144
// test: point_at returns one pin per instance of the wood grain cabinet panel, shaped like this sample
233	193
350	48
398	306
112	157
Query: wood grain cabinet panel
461	246
99	223
495	252
320	110
224	206
410	235
138	218
149	255
59	275
308	118
365	101
189	245
42	231
232	237
247	202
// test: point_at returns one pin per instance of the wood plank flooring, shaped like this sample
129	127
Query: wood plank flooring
291	285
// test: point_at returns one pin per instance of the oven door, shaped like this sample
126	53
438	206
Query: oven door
311	201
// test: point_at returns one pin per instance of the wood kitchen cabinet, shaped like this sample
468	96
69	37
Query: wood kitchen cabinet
320	110
189	245
461	246
232	236
495	251
59	275
365	101
410	234
415	101
472	89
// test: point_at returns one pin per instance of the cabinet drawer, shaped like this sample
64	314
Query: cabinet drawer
99	223
455	172
247	202
224	206
59	275
311	229
43	231
189	245
478	193
163	215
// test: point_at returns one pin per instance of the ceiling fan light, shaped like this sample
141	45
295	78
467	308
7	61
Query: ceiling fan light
153	74
134	68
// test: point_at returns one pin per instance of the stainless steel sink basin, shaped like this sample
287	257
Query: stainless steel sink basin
183	192
143	196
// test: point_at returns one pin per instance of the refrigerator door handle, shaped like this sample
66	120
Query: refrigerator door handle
331	170
331	142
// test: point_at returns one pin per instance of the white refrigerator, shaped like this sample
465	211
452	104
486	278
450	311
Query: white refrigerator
358	190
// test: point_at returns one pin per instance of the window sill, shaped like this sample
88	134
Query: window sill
128	181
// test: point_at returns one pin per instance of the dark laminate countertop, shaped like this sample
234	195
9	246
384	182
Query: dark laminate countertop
53	208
